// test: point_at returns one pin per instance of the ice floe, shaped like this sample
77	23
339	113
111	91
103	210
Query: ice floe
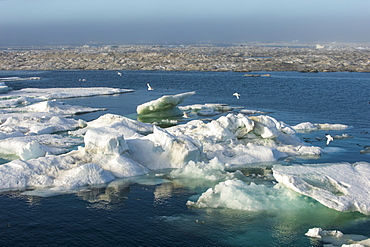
236	139
337	238
28	96
236	194
64	93
23	124
308	127
48	143
57	154
341	186
4	88
16	78
164	106
53	106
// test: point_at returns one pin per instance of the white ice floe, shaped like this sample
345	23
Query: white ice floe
4	88
236	194
337	238
162	149
122	147
64	93
16	78
114	146
251	112
53	106
126	126
34	146
100	161
341	186
206	109
24	124
28	96
238	140
15	101
167	105
308	127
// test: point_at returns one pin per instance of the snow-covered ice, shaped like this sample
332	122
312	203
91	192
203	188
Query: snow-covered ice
308	127
238	140
28	96
337	238
54	153
64	93
341	186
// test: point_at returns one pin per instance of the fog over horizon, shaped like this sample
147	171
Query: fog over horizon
48	22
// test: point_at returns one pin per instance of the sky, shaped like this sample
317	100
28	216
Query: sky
48	22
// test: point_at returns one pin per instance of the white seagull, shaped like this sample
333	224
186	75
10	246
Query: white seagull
119	73
185	115
329	138
149	87
237	95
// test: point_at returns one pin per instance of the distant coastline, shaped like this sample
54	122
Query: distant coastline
200	57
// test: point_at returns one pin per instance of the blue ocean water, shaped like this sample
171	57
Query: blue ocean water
151	210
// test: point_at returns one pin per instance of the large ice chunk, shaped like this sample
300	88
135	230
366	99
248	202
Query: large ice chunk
165	150
36	124
236	194
165	103
237	139
341	186
52	144
125	126
31	150
265	126
85	174
105	140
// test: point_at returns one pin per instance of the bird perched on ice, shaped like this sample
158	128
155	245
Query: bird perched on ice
237	95
119	73
329	138
149	87
185	115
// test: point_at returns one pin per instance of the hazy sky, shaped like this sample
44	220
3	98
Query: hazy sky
35	22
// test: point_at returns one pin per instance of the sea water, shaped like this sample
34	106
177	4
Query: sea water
151	210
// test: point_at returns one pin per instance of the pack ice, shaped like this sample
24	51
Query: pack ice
113	146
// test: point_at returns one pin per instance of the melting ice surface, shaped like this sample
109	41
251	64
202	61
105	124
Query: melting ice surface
51	153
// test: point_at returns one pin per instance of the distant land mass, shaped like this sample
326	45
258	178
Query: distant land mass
245	57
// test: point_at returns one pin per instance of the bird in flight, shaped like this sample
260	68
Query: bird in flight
237	95
149	87
329	138
119	73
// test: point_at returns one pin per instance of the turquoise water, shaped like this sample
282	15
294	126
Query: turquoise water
151	210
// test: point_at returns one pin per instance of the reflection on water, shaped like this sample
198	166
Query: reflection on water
162	193
115	194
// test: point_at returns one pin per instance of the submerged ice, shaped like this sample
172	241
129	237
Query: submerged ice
56	154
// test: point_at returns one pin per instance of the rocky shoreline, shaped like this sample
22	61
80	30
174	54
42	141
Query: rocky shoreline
237	57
